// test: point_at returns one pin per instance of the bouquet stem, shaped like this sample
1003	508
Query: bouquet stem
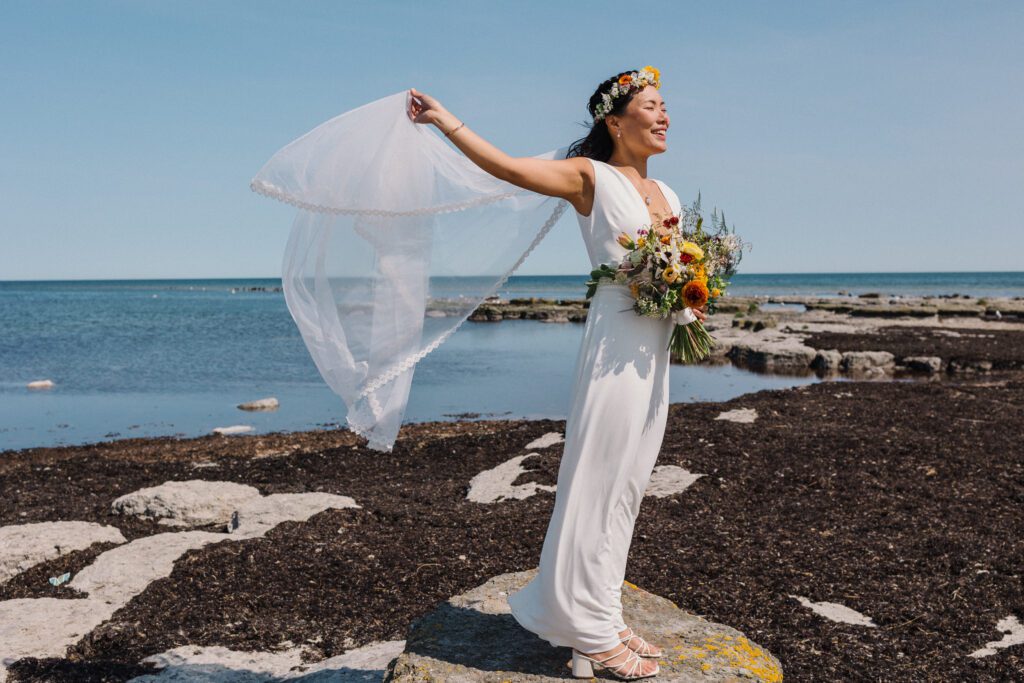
691	342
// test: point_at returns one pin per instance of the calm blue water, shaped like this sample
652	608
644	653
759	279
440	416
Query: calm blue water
175	357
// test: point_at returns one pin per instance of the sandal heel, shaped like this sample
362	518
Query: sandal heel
581	666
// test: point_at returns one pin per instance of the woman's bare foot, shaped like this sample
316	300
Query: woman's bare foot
623	655
637	644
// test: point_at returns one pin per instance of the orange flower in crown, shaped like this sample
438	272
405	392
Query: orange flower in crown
626	83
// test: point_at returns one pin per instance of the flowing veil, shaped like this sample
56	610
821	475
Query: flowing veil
397	238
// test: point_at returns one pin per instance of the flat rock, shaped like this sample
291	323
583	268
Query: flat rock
215	664
827	360
474	637
233	429
833	611
22	546
495	485
257	517
269	403
195	502
40	384
1013	634
778	354
667	480
118	575
867	361
929	364
549	439
45	627
741	415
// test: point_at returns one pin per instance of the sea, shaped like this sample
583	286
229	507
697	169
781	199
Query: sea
142	358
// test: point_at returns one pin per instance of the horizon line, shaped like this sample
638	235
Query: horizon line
837	272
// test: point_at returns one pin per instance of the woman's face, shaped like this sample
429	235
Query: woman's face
644	125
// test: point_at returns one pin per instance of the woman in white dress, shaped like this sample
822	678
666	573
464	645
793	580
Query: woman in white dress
619	403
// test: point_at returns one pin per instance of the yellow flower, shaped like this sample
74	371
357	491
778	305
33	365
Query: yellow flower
699	273
693	250
716	292
641	242
657	74
670	274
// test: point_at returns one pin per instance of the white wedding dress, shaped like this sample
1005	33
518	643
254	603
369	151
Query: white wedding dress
614	430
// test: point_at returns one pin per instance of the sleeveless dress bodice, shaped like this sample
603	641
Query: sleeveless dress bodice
618	207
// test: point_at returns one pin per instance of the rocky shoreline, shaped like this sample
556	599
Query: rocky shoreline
866	336
857	530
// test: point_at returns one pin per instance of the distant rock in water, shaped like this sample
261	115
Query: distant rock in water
233	429
269	403
40	384
474	637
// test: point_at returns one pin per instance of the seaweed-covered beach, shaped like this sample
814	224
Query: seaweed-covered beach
866	527
900	500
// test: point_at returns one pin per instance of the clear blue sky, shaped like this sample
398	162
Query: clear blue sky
838	136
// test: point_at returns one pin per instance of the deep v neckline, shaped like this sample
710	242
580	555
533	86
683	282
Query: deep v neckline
640	197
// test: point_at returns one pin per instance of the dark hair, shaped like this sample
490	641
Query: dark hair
597	144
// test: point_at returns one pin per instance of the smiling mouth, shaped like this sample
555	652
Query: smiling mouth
659	134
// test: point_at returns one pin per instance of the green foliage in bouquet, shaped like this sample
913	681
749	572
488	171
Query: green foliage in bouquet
687	267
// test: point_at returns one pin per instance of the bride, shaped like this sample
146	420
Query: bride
619	403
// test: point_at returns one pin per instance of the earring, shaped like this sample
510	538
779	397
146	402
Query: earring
619	135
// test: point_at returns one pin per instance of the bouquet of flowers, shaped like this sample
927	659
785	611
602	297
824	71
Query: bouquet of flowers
674	266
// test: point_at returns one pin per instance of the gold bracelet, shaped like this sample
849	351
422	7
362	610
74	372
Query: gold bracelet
456	128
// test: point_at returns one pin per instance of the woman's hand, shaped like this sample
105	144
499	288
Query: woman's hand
565	178
423	108
699	313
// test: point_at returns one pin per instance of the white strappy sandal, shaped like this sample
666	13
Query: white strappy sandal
630	669
644	650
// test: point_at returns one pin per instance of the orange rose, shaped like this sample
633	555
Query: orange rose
625	79
695	294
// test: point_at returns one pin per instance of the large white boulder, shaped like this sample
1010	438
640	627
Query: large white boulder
195	502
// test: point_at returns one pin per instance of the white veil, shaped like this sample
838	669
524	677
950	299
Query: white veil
397	239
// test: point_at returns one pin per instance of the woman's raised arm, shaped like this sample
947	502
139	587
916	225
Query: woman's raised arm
565	178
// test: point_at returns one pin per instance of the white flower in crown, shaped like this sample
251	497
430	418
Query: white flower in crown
637	80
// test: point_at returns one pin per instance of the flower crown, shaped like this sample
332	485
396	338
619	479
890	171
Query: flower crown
635	81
